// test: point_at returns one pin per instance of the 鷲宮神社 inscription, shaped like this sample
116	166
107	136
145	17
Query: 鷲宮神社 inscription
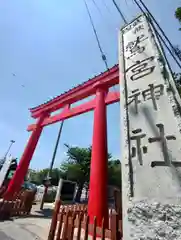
151	139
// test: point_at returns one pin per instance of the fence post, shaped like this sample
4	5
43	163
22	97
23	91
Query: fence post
55	212
65	227
114	227
103	230
118	202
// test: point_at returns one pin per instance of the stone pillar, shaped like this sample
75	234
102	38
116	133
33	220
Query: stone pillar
98	203
151	140
22	169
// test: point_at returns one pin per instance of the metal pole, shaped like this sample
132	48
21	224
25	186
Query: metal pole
55	150
11	143
51	164
119	10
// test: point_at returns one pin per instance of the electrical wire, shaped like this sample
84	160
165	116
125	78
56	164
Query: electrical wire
96	36
162	49
120	12
109	11
98	9
115	90
104	3
167	47
100	12
129	8
161	30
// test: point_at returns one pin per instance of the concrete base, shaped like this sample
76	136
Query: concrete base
154	220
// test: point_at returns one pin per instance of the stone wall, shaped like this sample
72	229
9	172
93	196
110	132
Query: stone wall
152	220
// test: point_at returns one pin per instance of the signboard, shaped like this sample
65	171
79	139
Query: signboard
151	139
5	169
152	136
67	190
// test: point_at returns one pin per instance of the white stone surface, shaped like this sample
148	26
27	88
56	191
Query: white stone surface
5	169
151	140
153	220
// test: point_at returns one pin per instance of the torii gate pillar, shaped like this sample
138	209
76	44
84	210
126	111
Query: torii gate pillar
98	200
22	169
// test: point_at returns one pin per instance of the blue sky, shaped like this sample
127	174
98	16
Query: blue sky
50	47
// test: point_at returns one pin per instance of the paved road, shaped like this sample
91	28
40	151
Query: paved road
24	229
3	236
35	227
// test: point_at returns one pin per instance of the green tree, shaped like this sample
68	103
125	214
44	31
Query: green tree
114	173
37	177
177	51
178	15
177	78
77	168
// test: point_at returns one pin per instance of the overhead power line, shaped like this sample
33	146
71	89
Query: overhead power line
96	36
104	3
166	45
144	9
108	23
120	12
98	9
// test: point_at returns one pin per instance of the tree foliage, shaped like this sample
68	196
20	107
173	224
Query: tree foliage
114	173
77	168
177	78
178	15
37	177
77	164
177	51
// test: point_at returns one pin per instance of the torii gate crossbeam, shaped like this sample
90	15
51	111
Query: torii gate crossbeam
98	86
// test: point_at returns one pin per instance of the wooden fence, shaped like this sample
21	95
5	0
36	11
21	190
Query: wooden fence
21	204
73	223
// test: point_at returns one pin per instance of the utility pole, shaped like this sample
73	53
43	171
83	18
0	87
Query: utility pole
11	143
51	166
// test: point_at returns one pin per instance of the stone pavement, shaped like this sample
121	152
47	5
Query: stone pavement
34	227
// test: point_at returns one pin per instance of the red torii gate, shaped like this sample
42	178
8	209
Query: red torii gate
99	85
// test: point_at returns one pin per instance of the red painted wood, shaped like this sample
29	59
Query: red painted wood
98	194
18	178
98	200
108	79
112	97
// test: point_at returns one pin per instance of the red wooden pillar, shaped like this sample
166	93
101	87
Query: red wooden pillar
21	171
98	200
